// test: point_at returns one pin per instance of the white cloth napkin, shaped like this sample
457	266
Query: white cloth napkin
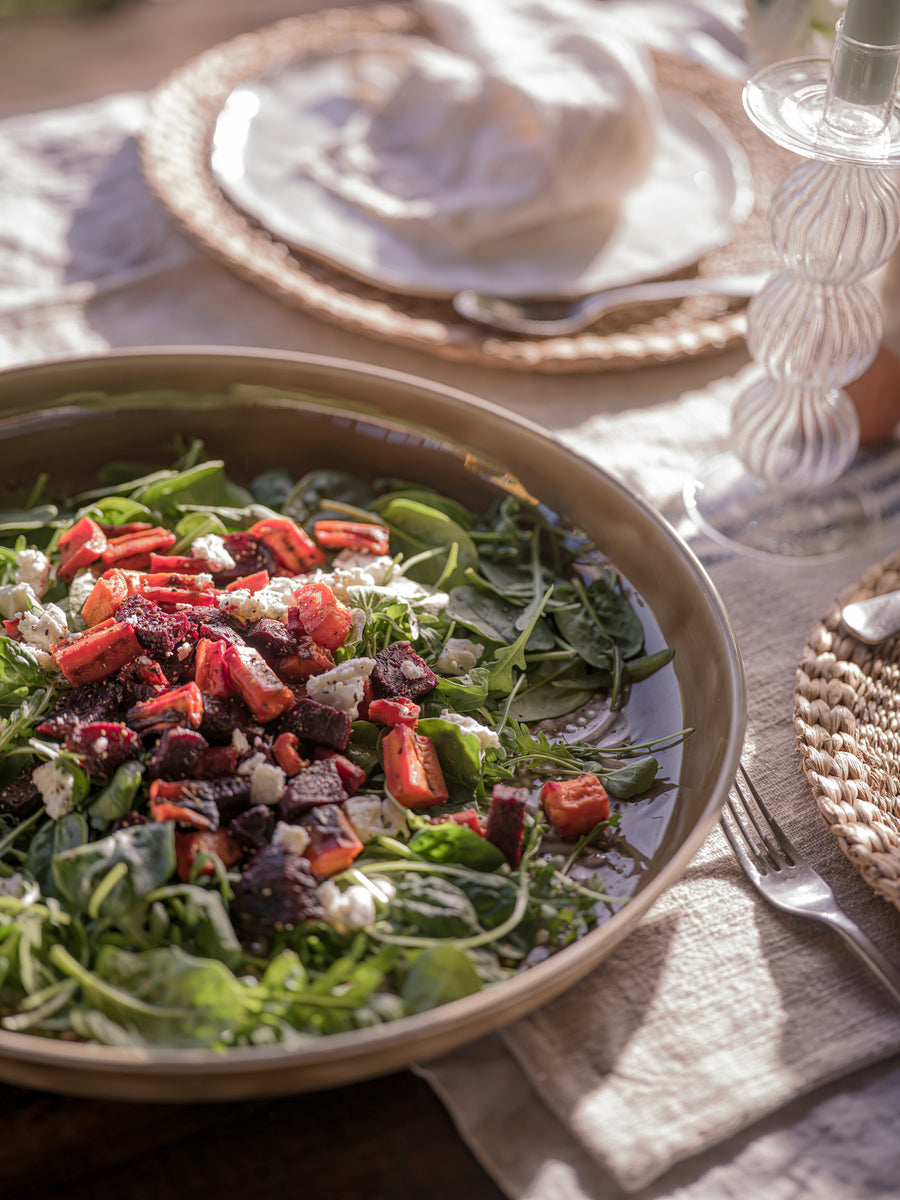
520	113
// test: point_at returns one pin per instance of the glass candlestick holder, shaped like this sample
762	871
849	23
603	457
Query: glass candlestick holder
816	325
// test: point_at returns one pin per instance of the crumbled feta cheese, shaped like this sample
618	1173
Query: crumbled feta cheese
267	784
15	599
56	787
487	739
34	568
212	550
354	568
412	670
342	686
271	601
458	656
249	765
372	817
239	741
79	590
294	837
349	910
43	626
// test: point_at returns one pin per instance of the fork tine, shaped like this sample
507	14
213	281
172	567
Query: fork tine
777	832
750	868
750	847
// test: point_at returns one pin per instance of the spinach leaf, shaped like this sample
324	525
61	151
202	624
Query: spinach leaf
450	508
632	779
416	528
459	752
493	618
453	843
316	487
437	976
113	874
117	797
430	906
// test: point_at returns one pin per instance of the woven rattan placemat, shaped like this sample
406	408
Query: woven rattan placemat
176	156
847	717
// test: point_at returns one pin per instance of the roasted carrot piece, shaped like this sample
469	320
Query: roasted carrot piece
184	564
103	651
352	535
286	755
256	683
173	580
210	669
133	550
249	583
412	772
393	710
188	846
109	593
468	817
321	615
575	806
178	706
80	546
291	545
333	843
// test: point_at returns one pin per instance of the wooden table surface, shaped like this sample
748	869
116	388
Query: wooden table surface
379	1140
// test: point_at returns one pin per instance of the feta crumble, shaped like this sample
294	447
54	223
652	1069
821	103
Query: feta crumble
458	656
342	686
267	784
271	601
372	817
349	910
34	568
57	788
212	549
294	837
79	590
43	626
15	599
487	739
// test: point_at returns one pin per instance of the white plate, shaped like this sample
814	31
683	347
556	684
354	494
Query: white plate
698	188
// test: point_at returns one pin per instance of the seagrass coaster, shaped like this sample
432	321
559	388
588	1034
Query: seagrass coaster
176	161
847	717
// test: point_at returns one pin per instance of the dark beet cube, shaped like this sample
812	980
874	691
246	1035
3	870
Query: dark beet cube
319	723
271	637
161	634
230	795
319	783
222	715
104	745
98	701
254	828
186	804
141	679
399	671
250	555
215	626
21	798
177	754
276	893
216	761
506	821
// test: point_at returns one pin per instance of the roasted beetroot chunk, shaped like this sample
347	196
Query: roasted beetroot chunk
178	706
222	716
177	754
230	794
254	828
104	745
319	723
98	701
250	555
275	894
141	679
161	634
399	671
271	637
215	625
20	798
506	821
320	783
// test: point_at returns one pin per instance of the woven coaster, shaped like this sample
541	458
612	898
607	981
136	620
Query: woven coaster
847	717
176	147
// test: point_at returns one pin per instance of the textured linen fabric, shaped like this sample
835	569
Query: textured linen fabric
717	1010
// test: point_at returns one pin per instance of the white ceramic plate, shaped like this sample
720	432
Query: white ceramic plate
698	188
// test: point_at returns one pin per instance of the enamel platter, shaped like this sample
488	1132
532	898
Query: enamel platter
256	411
699	184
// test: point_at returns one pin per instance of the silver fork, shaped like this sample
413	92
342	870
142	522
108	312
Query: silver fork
777	872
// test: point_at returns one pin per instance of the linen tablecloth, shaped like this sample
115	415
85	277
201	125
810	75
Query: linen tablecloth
709	1030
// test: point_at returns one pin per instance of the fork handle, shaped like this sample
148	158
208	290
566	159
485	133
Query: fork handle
867	951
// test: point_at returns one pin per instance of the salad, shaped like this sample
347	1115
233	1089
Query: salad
301	757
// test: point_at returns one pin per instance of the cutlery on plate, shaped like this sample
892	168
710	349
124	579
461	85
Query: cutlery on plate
551	318
873	620
777	872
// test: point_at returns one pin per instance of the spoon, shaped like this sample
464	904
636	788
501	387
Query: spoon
551	318
873	620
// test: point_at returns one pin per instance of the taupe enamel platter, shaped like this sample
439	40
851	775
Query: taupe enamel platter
258	410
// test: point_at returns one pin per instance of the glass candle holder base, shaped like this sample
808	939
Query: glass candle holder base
740	511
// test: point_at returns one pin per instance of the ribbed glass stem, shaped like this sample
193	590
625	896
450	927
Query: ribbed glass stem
816	326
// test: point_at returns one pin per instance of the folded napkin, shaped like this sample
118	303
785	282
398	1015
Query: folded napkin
519	113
